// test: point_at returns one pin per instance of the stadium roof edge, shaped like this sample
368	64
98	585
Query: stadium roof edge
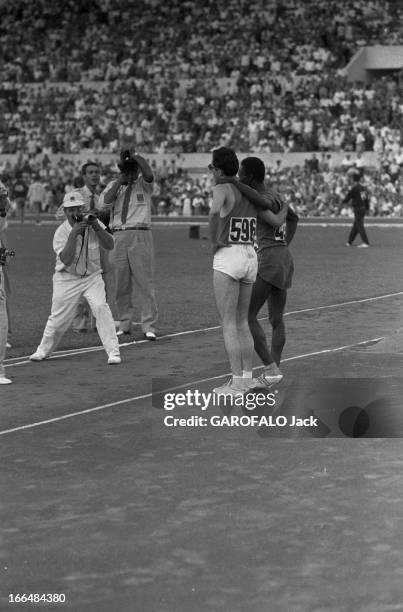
372	58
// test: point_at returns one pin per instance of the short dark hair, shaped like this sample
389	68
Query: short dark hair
254	167
357	176
226	160
86	165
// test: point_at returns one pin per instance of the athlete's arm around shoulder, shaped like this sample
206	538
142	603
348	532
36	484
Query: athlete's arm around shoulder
272	218
251	194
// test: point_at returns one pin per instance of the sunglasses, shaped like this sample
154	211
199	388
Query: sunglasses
212	167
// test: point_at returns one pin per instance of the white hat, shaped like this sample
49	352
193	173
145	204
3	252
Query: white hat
73	198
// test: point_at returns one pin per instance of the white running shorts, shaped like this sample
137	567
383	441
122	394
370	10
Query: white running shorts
238	261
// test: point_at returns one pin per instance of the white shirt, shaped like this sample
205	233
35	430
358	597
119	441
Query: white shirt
139	211
87	255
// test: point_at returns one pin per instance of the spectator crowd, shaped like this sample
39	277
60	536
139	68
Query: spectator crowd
316	188
260	76
184	76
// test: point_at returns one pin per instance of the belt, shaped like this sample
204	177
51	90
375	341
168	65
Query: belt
132	227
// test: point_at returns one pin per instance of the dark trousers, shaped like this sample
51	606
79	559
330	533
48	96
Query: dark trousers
358	226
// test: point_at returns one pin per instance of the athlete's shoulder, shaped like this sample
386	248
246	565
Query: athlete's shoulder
221	188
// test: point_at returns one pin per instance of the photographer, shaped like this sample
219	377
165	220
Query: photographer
91	176
128	199
4	206
78	273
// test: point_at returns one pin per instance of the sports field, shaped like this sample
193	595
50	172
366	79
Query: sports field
102	502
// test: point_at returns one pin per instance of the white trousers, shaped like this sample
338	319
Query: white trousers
83	319
67	291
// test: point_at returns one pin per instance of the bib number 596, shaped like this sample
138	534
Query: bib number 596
242	230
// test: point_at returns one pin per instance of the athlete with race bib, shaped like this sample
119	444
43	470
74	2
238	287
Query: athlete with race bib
275	267
232	224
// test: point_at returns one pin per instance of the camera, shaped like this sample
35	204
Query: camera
128	165
89	218
4	253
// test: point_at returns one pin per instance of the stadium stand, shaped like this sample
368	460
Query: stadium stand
260	77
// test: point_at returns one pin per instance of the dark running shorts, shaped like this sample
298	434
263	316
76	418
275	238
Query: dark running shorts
276	266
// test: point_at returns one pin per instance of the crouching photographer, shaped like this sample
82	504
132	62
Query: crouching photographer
91	176
4	253
128	199
78	274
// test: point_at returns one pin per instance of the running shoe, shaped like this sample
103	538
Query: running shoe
269	377
229	388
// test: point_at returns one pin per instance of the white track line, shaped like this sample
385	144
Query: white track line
14	361
348	223
360	301
190	384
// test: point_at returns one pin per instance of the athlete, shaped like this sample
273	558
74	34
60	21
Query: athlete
359	198
275	267
232	224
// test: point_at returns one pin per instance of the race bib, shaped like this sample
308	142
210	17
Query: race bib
280	233
242	230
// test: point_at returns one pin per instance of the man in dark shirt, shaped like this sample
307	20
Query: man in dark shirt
359	198
20	192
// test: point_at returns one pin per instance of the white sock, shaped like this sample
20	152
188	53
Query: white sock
237	379
246	374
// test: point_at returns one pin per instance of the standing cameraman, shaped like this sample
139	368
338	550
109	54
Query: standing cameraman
78	270
4	206
128	199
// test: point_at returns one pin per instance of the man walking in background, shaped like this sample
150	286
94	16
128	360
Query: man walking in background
359	198
20	191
